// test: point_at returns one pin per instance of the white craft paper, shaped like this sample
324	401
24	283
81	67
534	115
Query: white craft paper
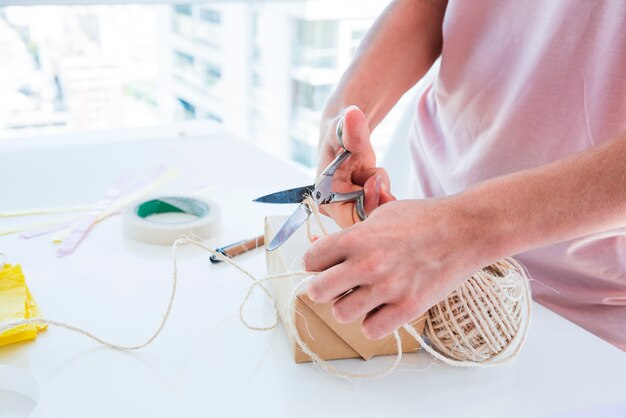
19	392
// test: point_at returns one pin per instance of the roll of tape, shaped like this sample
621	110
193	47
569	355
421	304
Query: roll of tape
139	222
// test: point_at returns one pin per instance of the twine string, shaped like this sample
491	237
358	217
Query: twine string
482	323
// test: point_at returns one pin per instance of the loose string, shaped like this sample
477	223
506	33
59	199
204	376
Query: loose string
290	323
181	241
503	356
255	282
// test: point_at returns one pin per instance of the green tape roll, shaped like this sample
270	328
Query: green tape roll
137	223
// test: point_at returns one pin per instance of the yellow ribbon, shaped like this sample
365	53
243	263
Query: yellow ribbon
16	302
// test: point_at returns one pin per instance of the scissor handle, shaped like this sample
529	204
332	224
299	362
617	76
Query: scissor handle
339	131
356	196
332	167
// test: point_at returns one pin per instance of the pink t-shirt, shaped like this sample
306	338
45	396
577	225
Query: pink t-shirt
521	84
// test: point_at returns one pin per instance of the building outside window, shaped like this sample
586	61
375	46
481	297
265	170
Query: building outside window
264	70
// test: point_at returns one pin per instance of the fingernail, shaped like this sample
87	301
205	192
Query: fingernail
368	333
378	184
352	107
311	294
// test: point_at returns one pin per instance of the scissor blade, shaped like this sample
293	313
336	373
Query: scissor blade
295	195
291	225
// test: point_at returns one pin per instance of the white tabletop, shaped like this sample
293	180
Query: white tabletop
206	363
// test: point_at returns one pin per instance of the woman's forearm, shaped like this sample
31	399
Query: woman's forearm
573	197
399	49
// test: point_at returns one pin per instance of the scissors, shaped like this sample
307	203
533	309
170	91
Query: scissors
320	192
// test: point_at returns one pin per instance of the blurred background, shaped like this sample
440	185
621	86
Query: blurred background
262	69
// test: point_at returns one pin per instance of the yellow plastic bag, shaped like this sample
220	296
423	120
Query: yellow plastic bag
16	302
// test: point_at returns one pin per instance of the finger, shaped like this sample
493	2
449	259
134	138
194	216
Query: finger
371	198
332	283
322	254
343	213
376	192
356	131
385	195
356	304
384	321
361	176
323	211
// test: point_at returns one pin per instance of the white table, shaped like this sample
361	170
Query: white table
206	363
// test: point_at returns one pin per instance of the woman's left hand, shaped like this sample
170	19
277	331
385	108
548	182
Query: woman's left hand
406	257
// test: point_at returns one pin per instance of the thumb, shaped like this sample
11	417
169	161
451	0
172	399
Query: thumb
356	131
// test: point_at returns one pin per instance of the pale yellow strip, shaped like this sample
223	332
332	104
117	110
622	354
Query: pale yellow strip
43	211
169	175
28	227
164	178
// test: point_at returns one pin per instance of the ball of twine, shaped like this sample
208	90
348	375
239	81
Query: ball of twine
486	319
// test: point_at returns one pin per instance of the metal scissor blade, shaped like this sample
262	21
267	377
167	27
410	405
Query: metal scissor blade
291	225
295	195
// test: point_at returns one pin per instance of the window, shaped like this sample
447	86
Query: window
211	16
207	28
183	60
310	97
187	110
213	116
182	20
316	34
183	9
183	67
79	68
212	74
355	39
316	43
257	80
303	152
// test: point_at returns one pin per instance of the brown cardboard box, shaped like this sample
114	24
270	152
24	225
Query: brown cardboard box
315	322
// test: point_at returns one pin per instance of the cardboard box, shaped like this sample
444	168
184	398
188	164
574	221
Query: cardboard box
315	323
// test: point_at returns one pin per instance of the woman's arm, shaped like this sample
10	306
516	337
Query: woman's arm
398	50
410	254
569	198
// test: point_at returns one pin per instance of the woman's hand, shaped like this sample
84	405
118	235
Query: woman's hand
406	257
359	171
